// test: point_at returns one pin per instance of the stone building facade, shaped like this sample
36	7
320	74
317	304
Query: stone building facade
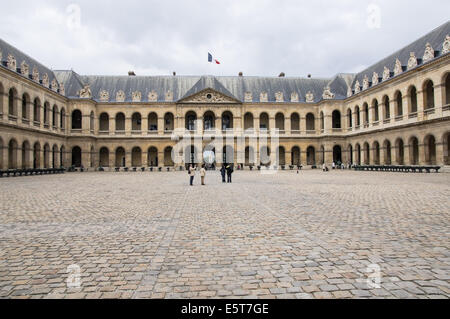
394	112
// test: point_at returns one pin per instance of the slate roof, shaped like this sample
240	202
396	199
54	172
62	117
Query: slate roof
7	49
436	38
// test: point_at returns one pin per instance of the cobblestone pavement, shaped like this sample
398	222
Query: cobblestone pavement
149	235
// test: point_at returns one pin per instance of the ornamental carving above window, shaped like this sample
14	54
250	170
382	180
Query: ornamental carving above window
357	87
375	78
120	96
446	45
327	94
153	96
398	69
35	75
12	64
366	82
412	62
386	74
62	89
136	96
104	96
294	97
309	97
54	85
248	97
45	80
279	97
264	97
429	53
24	69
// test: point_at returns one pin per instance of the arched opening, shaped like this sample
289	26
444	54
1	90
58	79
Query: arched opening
281	156
311	156
413	100
120	157
152	122
2	92
322	121
120	123
62	124
77	120
104	157
250	156
136	122
264	156
76	156
168	159
46	156
387	152
387	108
310	122
337	154
430	150
366	154
104	123
428	95
295	123
400	151
36	111
376	110
350	153
227	121
152	157
264	121
12	154
279	122
136	157
366	114
26	154
55	156
447	89
169	122
358	154
191	155
36	155
25	108
336	119
295	156
209	121
191	118
349	118
62	156
92	157
92	122
46	114
399	102
376	153
414	150
55	116
358	117
322	154
248	121
446	142
1	145
12	102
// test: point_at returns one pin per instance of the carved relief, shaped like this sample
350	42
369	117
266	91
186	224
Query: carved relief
357	87
294	97
209	96
398	67
279	98
35	75
429	53
54	85
62	89
153	96
366	83
45	80
248	97
263	97
136	96
412	62
12	64
85	93
120	96
104	96
24	69
445	45
327	94
169	96
309	97
375	78
386	74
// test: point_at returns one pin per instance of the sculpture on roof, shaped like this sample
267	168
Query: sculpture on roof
357	87
294	97
386	74
24	69
398	69
54	85
349	91
62	89
45	80
136	96
85	93
445	45
263	97
429	53
120	96
11	63
35	75
279	98
366	83
412	62
309	97
375	78
153	96
327	94
248	97
104	96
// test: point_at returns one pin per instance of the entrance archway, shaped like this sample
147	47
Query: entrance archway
337	154
76	156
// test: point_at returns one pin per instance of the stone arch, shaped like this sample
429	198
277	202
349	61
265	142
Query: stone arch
12	154
46	156
428	95
414	158
37	155
168	157
92	157
279	122
376	153
136	122
387	146
77	120
25	106
310	122
120	159
12	102
366	114
152	122
358	116
337	154
399	103
387	108
349	118
191	155
227	120
336	119
281	156
412	93
250	158
37	111
350	154
296	156
190	121
248	121
264	121
46	114
152	157
400	151
295	122
76	156
209	121
103	122
376	110
169	122
430	149
311	156
358	154
26	149
366	149
120	122
62	156
104	157
136	157
446	144
62	124
55	152
55	116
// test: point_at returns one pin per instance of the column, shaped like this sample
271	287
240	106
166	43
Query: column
438	99
406	156
422	160
440	153
144	125
370	116
420	106
160	158
303	157
85	157
272	123
160	126
406	106
327	123
128	158
287	125
112	126
237	123
302	124
112	160
288	157
328	156
257	123
127	126
144	158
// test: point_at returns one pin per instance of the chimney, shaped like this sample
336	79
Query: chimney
174	73
282	75
309	76
131	73
241	74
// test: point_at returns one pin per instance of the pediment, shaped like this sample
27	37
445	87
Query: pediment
209	96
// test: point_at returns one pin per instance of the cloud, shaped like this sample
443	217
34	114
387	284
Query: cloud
258	37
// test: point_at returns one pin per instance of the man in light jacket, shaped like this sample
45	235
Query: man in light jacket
203	174
192	174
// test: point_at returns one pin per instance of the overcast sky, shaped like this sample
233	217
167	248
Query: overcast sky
257	37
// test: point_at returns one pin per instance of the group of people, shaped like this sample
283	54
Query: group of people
226	171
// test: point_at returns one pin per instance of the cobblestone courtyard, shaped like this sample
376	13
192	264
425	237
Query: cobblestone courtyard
149	235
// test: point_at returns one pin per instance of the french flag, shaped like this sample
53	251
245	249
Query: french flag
212	60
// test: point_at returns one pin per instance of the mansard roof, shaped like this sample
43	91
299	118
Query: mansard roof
7	49
436	38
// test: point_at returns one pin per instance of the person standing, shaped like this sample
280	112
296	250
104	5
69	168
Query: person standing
230	173
223	172
192	174
203	174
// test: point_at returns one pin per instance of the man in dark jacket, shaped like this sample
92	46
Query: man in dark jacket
230	171
223	172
